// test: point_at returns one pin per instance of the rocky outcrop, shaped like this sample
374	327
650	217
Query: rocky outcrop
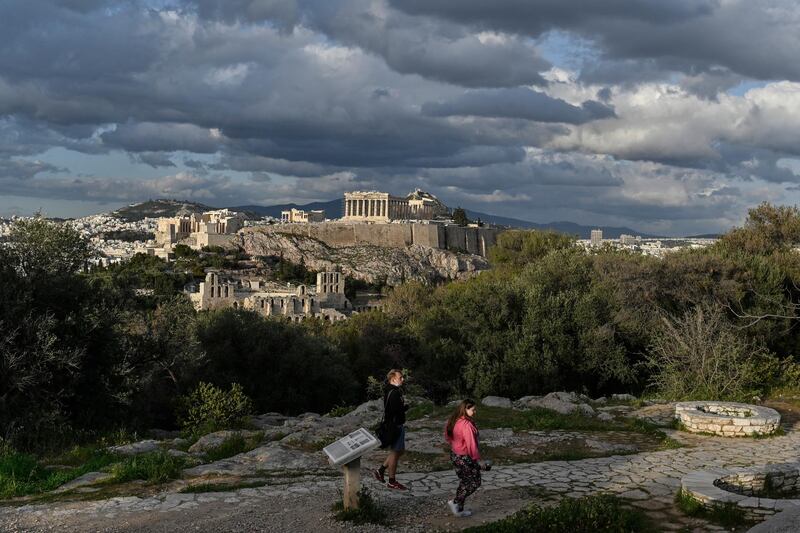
496	401
365	262
213	440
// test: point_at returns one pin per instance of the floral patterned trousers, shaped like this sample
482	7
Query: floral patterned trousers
469	472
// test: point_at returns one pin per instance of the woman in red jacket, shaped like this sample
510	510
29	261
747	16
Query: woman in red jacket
462	434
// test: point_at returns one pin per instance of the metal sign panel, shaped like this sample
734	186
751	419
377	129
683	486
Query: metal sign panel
351	447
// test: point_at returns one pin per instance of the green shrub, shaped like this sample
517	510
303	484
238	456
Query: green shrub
701	356
340	410
156	467
233	445
21	474
593	514
209	408
368	512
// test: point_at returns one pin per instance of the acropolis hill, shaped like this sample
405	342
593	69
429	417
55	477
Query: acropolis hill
380	238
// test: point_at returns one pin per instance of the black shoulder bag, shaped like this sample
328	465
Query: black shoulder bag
385	432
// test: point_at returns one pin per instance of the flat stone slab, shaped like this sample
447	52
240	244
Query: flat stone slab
787	521
136	448
89	478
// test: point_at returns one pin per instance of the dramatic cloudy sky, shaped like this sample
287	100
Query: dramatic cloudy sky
670	117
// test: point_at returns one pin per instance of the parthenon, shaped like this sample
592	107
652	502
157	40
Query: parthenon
375	206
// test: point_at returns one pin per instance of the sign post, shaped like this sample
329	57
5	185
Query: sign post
352	482
346	452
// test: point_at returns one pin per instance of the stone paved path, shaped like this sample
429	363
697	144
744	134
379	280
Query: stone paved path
648	480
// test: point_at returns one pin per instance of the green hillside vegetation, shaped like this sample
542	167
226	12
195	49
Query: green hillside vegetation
159	208
82	354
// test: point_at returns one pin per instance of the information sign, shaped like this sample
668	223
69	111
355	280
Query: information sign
351	447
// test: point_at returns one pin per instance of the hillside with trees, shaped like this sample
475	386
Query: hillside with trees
82	354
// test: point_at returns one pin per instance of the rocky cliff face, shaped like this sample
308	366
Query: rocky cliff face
368	263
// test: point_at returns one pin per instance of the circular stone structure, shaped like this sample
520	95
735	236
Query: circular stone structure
759	491
727	419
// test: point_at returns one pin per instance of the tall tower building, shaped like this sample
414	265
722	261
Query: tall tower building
597	237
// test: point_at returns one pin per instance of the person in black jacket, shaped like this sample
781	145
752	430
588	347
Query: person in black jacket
395	418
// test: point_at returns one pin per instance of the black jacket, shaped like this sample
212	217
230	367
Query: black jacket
395	413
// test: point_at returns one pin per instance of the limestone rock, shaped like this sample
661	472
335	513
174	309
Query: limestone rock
605	417
136	448
178	442
498	437
496	401
268	420
87	479
523	402
177	453
365	262
212	440
623	397
271	456
561	402
367	408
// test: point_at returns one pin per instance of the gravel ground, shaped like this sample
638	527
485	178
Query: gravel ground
284	514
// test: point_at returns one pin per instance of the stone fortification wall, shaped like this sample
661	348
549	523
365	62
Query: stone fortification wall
336	234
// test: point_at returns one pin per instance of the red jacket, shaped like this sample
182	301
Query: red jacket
465	438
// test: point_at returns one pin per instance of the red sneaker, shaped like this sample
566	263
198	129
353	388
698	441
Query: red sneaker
396	485
379	475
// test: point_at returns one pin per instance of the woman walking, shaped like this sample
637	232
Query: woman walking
394	418
462	434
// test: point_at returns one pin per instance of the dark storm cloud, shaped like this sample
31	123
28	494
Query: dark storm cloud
147	137
754	39
153	159
20	169
309	98
260	164
533	17
518	103
433	49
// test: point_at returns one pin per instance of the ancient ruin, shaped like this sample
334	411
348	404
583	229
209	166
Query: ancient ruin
299	216
212	228
325	300
375	206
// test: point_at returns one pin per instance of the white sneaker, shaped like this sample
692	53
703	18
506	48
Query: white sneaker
454	509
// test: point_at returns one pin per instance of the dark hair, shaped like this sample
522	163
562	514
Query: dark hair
461	411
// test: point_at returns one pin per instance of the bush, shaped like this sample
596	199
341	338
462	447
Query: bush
233	446
21	474
593	514
700	356
156	467
209	408
282	367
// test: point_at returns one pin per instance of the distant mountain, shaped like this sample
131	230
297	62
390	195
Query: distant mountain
705	236
159	208
334	209
570	228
